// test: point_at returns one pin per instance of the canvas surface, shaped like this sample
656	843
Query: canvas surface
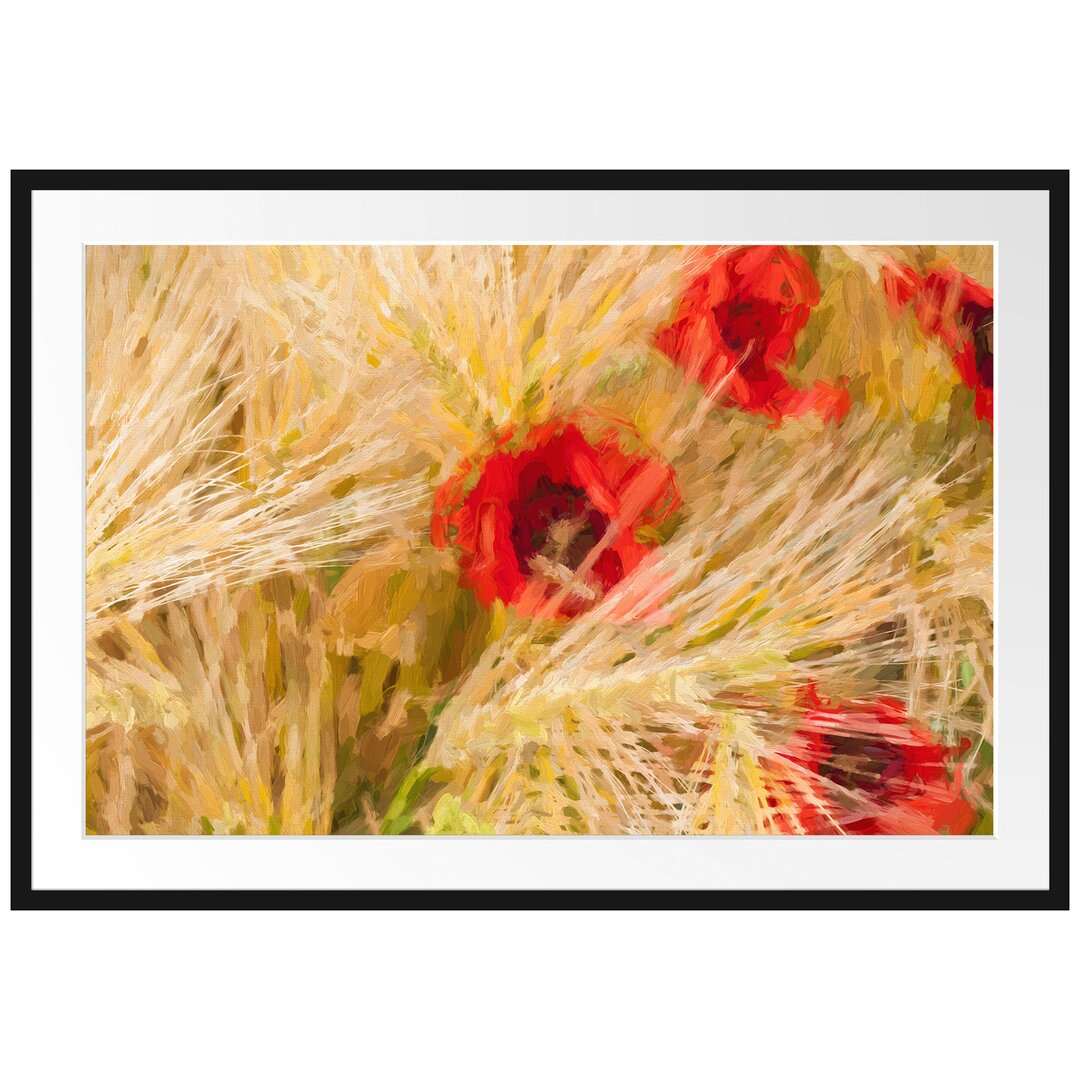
553	540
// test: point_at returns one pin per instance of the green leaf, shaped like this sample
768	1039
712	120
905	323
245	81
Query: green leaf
334	574
399	815
449	819
967	673
815	652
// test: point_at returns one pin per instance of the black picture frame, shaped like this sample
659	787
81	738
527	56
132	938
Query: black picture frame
24	897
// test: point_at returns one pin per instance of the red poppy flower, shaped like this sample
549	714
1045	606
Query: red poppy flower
958	310
549	520
736	328
869	770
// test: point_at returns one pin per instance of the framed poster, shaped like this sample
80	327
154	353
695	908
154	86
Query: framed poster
540	539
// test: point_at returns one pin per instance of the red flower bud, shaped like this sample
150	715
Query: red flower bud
957	310
864	767
736	328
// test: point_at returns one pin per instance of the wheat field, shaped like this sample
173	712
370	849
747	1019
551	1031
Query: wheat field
553	540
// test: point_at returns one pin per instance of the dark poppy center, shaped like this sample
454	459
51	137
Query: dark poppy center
554	522
745	326
980	321
861	764
984	352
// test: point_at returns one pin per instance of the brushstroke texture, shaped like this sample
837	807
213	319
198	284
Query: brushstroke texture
539	540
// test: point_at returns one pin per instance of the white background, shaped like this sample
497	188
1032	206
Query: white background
553	85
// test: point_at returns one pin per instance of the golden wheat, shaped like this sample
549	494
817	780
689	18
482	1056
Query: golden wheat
274	644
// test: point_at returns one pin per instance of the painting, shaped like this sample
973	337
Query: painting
540	540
